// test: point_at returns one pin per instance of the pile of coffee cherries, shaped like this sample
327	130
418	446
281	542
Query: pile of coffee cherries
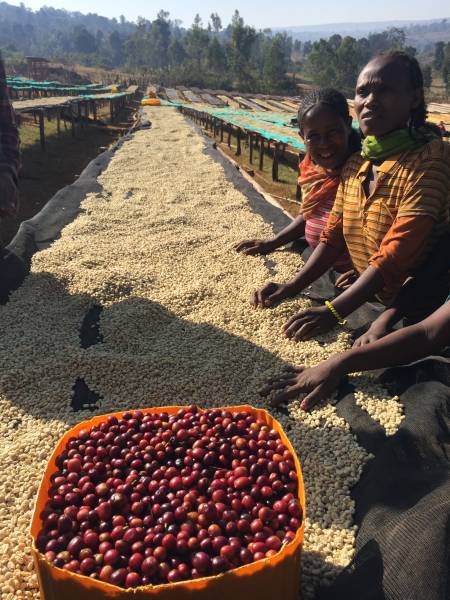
153	498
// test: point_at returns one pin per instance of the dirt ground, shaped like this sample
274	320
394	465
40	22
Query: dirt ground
44	173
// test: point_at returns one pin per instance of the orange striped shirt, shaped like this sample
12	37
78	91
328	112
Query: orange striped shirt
407	211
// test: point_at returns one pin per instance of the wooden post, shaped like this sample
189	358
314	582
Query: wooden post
238	149
221	131
250	143
229	136
94	110
72	119
42	129
261	154
111	110
58	121
276	157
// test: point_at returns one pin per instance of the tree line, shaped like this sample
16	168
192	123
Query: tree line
208	55
442	63
337	61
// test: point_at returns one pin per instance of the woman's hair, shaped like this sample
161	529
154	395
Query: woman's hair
419	114
334	100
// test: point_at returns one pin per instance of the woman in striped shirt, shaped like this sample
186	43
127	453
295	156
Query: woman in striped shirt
392	204
326	127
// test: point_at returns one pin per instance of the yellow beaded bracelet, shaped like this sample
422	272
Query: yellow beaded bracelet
335	313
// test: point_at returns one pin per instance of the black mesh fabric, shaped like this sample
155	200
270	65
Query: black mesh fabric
403	500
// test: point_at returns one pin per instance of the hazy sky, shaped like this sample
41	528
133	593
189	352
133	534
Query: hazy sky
261	13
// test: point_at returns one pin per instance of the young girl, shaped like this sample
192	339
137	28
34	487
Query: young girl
392	204
326	127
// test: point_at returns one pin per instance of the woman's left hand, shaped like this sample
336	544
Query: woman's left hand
315	384
309	323
346	280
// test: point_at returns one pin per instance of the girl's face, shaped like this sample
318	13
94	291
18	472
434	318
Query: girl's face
326	135
384	97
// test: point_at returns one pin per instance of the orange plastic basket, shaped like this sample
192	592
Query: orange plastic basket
266	579
151	102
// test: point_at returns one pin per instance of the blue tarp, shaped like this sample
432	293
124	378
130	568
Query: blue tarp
232	116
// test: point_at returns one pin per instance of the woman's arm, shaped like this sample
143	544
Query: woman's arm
319	319
400	347
402	245
322	259
292	232
364	288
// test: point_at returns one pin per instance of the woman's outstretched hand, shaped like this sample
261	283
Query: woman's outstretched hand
254	247
316	384
269	295
309	323
345	280
375	332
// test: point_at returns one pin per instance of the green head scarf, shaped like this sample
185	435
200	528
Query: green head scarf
397	142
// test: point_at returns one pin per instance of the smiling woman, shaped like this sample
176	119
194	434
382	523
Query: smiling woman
392	204
326	127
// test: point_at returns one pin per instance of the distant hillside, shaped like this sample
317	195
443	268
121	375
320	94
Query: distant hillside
213	54
420	34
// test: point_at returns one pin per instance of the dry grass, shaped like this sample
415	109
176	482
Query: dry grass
44	173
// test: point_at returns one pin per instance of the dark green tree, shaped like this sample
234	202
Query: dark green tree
196	42
446	68
217	58
320	64
427	76
84	42
240	48
216	22
177	53
347	64
439	49
159	40
307	47
117	48
275	66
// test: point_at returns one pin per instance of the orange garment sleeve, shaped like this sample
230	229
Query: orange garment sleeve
403	244
333	232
